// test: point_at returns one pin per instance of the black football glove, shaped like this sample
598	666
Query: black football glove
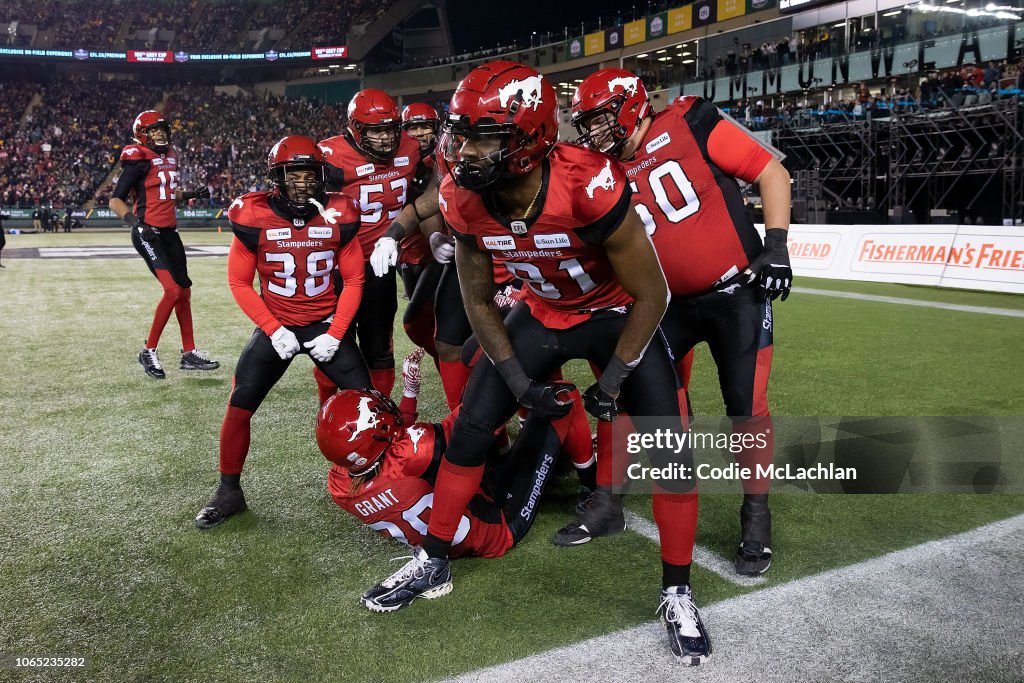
771	268
599	403
147	232
548	399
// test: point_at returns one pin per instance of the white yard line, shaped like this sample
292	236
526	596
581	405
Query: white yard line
989	310
950	609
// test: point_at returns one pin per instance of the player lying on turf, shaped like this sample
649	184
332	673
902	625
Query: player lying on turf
384	472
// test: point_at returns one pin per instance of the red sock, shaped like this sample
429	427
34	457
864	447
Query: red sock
454	489
163	308
407	407
325	388
612	457
574	431
383	380
676	517
763	433
685	368
183	309
234	440
454	376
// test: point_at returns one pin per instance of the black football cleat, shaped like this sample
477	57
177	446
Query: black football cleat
754	555
421	577
686	633
602	516
197	360
583	500
225	502
151	364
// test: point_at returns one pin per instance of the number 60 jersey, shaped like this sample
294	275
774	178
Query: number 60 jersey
296	260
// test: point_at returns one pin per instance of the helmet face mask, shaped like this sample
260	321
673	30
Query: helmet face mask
608	107
478	154
420	121
152	130
379	142
374	125
159	136
299	174
600	129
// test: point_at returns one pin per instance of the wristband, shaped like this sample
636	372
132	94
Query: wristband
614	374
514	375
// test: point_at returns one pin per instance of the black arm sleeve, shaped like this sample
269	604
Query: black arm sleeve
132	172
249	237
601	229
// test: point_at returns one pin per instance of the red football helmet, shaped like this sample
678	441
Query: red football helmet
417	115
607	108
510	105
147	123
374	124
298	153
354	429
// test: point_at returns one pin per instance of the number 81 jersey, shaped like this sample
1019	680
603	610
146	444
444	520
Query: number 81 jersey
296	260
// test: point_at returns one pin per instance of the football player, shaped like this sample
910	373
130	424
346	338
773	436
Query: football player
682	165
149	179
376	162
384	472
558	217
300	240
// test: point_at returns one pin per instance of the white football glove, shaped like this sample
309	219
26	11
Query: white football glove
385	255
323	347
443	247
285	343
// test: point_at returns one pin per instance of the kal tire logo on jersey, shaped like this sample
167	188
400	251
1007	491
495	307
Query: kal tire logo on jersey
528	88
499	243
627	83
602	181
321	233
552	241
401	161
518	227
365	169
279	234
658	142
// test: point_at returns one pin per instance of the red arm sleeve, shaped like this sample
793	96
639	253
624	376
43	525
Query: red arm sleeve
351	266
241	271
737	153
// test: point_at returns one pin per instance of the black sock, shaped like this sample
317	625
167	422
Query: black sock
588	475
230	482
674	574
436	547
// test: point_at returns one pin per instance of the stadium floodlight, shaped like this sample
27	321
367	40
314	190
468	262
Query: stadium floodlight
642	55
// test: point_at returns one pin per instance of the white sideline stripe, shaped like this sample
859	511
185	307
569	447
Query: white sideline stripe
705	557
990	310
942	610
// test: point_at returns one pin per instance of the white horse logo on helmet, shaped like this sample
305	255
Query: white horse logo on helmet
602	181
628	84
367	418
529	87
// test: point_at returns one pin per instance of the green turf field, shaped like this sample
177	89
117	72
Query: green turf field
105	469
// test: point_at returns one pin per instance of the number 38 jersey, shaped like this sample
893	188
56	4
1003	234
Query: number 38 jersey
152	180
381	188
684	189
559	253
397	501
296	260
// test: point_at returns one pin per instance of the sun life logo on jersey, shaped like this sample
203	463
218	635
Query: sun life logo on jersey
529	88
367	418
321	233
552	241
658	142
401	161
602	181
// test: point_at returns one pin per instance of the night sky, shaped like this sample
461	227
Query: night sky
477	24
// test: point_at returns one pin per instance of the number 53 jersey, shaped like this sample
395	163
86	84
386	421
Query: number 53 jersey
683	177
297	261
559	252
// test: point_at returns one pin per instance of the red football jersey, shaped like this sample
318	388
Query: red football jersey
152	186
682	176
382	189
397	500
558	253
295	260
